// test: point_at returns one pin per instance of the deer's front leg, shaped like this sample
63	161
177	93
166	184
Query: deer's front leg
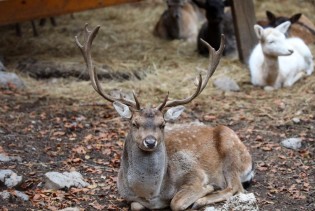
194	189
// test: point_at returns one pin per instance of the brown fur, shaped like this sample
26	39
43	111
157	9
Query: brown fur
185	27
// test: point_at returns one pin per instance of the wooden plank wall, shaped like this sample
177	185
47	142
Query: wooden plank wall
14	11
244	20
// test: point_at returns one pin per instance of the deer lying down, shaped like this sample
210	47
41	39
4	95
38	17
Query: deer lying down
278	61
188	166
300	27
181	20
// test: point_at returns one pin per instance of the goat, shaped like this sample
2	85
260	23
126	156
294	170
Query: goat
178	168
278	61
301	26
218	22
179	21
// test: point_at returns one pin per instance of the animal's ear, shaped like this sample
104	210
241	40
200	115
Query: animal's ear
199	3
259	31
295	18
270	16
227	3
122	110
173	113
283	27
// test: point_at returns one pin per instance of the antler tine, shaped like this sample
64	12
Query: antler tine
85	48
136	100
214	58
183	101
161	106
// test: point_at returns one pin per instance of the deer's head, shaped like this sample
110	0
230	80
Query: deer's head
273	40
146	124
175	8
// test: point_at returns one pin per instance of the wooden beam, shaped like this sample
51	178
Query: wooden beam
14	11
244	20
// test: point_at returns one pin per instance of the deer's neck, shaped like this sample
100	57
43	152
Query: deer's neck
270	69
175	27
145	171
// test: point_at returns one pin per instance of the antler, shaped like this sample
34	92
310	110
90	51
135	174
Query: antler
88	37
214	58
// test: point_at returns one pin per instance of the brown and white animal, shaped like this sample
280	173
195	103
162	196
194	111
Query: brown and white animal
188	166
278	61
218	22
301	26
181	20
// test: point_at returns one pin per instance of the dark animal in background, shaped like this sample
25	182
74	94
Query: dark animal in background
301	26
181	20
218	22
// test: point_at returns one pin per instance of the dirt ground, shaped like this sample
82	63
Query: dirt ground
56	124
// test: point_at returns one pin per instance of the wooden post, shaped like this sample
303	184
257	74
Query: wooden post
14	11
244	20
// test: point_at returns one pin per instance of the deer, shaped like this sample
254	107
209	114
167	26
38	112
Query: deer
179	21
218	22
277	61
301	26
190	166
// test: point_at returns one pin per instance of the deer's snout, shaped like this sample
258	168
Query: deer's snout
290	51
150	142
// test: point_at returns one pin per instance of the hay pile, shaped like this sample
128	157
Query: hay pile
125	43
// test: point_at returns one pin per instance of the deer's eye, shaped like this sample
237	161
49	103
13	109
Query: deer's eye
162	126
134	124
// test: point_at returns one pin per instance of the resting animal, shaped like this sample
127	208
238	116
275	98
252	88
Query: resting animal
278	61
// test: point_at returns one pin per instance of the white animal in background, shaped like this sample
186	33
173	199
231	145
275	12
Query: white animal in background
278	61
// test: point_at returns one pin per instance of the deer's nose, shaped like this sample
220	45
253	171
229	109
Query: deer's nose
150	142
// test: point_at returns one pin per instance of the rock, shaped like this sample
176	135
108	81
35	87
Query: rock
5	158
296	120
9	178
226	84
10	78
241	202
211	209
5	195
56	180
21	195
292	143
70	209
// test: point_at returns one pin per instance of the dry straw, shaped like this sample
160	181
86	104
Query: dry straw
125	43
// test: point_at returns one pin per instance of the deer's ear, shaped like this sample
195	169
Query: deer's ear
259	31
122	110
283	27
173	113
271	17
295	18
